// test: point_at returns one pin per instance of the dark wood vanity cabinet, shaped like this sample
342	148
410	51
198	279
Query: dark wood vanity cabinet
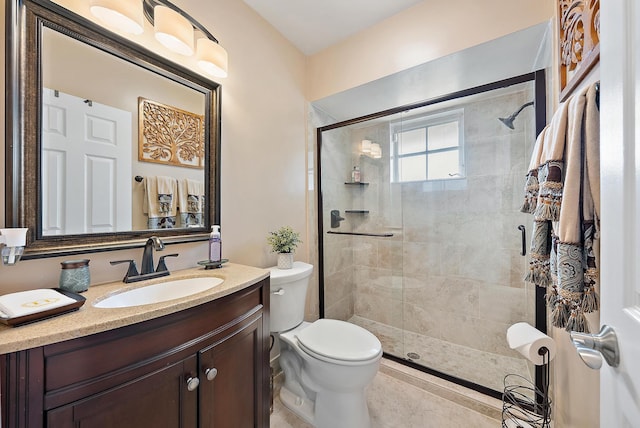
207	366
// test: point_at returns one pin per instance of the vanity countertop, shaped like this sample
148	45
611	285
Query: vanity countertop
90	320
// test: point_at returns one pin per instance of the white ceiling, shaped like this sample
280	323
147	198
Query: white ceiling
312	25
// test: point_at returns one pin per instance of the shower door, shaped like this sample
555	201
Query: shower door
362	255
426	250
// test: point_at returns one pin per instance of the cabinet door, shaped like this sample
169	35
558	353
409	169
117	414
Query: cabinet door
231	373
160	399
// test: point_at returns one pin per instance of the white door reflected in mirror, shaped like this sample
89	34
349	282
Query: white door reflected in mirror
86	165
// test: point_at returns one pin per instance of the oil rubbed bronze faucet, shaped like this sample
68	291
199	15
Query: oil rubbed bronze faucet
147	271
147	255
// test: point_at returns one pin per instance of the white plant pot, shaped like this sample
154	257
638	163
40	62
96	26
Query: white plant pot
285	260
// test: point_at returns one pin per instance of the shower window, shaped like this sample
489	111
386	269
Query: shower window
427	148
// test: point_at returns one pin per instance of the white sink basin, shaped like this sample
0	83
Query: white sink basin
160	292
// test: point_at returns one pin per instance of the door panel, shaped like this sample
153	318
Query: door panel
89	191
160	399
231	398
620	189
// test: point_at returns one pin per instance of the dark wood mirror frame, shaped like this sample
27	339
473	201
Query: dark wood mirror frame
24	22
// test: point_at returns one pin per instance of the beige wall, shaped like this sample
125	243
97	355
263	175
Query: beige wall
263	151
264	154
434	29
424	32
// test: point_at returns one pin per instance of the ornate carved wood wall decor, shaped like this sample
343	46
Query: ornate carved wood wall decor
579	22
169	135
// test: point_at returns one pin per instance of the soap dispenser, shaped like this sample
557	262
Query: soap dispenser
215	244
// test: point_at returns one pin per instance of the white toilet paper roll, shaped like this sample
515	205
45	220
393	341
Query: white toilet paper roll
528	341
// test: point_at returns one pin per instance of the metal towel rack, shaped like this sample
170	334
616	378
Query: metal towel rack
377	235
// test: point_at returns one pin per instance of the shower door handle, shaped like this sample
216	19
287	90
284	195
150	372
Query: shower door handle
524	240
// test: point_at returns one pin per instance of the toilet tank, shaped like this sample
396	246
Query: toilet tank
288	296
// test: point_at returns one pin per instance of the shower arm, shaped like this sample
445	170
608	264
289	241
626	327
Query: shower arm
522	107
508	121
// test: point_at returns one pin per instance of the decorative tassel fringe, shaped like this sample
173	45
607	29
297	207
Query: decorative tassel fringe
590	300
531	193
548	208
551	297
560	314
539	273
577	321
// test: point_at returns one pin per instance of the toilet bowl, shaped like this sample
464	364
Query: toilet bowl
327	364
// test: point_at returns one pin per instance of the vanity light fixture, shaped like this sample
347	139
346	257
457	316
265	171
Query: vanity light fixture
368	148
123	15
211	57
173	28
376	151
365	146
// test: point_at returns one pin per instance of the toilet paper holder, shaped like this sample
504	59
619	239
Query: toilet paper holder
523	403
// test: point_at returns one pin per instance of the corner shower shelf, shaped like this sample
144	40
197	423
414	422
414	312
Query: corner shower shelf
356	211
356	183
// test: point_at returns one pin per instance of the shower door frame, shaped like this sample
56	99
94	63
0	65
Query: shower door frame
539	79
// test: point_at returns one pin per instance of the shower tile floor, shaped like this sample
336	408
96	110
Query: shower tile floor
455	360
401	397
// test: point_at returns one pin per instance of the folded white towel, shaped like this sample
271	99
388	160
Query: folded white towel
190	195
166	185
160	192
195	187
23	303
191	202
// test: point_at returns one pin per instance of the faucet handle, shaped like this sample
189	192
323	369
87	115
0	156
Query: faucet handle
131	272
162	267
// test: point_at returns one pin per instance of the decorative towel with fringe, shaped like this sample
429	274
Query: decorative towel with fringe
562	191
191	202
159	202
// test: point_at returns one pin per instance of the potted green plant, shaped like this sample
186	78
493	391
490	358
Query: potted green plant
284	242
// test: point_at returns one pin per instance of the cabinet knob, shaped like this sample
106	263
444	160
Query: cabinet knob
211	373
192	383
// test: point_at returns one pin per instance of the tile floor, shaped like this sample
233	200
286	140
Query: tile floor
446	357
401	397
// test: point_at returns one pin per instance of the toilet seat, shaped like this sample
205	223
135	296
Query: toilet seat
339	342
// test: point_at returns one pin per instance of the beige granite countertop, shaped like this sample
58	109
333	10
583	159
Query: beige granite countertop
90	320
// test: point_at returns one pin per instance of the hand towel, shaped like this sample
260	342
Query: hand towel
23	303
191	202
532	185
159	201
567	251
550	167
566	210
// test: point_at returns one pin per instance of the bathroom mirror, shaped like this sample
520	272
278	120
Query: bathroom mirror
67	75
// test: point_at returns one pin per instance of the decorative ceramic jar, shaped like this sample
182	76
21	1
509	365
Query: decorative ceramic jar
75	276
285	260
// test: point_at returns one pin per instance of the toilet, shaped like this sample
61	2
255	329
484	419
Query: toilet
327	364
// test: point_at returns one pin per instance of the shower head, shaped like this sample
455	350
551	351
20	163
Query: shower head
508	121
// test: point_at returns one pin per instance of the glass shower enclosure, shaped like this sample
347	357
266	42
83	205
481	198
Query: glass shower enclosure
421	237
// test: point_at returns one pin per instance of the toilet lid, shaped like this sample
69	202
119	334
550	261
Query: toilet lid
339	340
298	271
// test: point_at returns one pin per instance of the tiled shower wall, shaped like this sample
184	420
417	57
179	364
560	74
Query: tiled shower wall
453	270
